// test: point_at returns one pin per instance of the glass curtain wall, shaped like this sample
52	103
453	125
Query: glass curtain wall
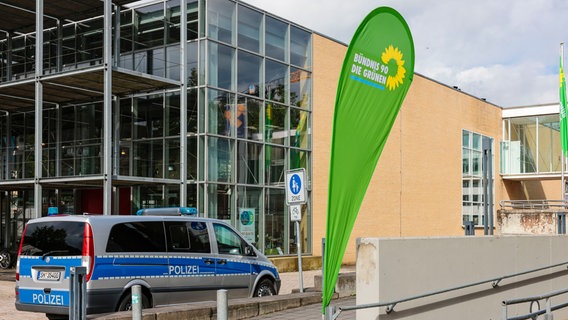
248	117
531	145
257	124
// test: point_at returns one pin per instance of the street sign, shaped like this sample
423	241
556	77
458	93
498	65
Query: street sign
295	186
296	212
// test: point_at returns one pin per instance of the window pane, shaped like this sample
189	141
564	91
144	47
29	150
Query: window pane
274	162
276	39
299	133
220	204
228	242
465	162
192	19
274	224
220	112
248	162
249	74
476	145
149	22
221	20
192	158
220	160
300	85
137	237
300	47
276	82
249	120
192	64
249	200
221	65
465	139
250	29
275	125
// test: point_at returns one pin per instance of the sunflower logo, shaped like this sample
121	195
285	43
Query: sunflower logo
392	53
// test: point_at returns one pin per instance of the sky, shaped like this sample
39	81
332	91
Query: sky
504	51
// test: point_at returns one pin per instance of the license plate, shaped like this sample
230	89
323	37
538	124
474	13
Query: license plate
49	275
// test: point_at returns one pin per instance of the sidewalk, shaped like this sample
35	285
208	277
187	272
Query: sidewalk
289	304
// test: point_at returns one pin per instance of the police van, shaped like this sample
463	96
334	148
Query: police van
175	258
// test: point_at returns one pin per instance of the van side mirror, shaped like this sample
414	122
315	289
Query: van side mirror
249	251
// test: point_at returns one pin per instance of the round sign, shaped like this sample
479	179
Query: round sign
295	184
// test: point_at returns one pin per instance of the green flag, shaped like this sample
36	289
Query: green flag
377	71
563	121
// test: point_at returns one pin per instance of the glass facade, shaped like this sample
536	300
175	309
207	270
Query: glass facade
224	136
474	182
531	145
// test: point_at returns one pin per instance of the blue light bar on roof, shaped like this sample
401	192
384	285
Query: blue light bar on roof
171	211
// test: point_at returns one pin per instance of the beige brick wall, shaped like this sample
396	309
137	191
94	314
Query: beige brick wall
416	189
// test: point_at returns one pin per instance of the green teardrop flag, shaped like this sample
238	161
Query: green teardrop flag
376	74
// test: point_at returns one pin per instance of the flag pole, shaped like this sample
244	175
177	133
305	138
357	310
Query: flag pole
563	157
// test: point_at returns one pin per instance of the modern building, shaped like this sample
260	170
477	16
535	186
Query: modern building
109	107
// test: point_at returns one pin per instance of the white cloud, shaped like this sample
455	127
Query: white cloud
506	51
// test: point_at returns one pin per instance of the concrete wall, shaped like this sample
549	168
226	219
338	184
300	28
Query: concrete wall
391	269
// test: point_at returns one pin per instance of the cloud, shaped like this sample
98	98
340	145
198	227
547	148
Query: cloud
505	51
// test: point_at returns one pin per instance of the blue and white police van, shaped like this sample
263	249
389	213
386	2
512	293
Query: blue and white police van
174	257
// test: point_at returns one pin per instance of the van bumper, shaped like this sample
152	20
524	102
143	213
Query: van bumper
97	302
41	308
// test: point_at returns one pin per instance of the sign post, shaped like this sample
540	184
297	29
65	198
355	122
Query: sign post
295	197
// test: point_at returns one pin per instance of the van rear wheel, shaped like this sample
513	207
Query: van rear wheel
126	302
265	288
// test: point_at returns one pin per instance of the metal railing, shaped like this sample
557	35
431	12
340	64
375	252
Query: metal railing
547	311
533	204
332	312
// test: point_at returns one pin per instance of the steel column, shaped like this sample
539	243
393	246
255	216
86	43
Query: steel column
107	109
38	108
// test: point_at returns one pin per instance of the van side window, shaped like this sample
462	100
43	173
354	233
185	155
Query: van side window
228	242
146	236
188	237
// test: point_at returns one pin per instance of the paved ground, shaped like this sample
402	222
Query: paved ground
290	283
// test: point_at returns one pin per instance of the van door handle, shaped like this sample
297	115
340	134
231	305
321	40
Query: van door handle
222	261
208	261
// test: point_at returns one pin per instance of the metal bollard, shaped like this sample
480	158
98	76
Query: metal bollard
77	293
136	299
222	305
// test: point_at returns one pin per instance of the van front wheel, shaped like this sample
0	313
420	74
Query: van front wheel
264	288
126	303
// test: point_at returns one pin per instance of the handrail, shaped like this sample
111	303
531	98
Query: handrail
549	307
391	304
533	204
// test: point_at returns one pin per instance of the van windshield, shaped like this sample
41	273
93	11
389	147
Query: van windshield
53	238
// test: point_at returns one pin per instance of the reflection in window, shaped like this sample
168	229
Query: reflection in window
248	162
300	85
220	161
249	74
221	20
250	119
275	165
274	223
221	65
220	198
300	47
276	39
250	29
472	177
220	112
276	81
